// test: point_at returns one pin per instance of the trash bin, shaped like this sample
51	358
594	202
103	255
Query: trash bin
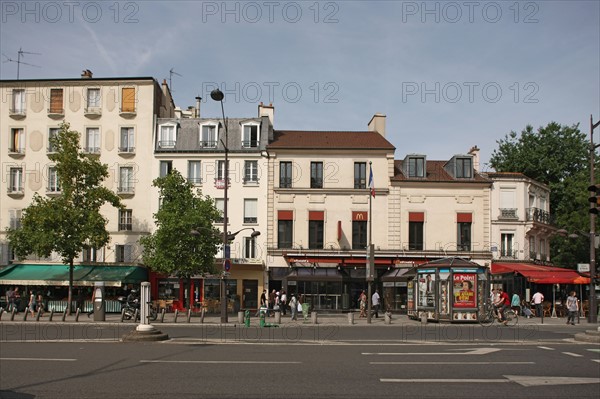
98	305
305	311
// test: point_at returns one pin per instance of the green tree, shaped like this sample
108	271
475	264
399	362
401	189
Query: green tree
70	222
172	248
557	156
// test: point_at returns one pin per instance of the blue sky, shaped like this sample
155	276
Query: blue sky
448	75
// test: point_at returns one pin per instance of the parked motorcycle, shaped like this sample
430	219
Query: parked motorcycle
130	305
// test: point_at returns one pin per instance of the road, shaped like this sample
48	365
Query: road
318	361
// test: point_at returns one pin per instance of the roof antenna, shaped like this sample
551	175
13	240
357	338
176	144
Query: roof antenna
20	54
171	73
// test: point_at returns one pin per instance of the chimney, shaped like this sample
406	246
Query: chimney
86	74
377	124
165	88
267	110
475	152
198	100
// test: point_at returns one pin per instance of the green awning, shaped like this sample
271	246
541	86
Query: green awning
83	275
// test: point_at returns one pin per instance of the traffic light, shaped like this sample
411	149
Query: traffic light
594	198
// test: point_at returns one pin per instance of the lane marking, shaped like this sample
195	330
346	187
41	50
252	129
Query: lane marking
37	359
220	361
572	354
482	363
526	381
545	347
479	351
443	380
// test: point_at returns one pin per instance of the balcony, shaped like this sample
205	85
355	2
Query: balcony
195	180
52	191
56	113
127	112
17	113
539	216
15	191
166	144
508	254
126	150
92	112
16	152
125	189
208	144
93	150
508	214
250	144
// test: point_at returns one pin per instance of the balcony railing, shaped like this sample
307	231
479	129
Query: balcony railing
126	150
17	113
539	215
194	180
16	151
250	143
208	144
285	182
125	189
92	111
93	150
508	213
167	144
56	112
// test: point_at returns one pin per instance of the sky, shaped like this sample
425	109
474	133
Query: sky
448	75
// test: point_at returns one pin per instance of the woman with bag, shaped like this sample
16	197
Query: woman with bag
362	299
31	303
294	307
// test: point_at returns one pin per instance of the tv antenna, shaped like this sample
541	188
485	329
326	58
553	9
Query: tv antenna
171	73
20	54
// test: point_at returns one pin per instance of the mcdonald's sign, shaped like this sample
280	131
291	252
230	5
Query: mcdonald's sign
360	216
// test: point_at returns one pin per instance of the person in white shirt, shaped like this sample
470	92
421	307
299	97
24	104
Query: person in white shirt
537	299
375	303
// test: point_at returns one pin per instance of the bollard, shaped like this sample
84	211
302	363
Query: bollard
313	317
388	318
277	317
64	315
26	313
240	317
202	313
247	318
350	318
51	314
175	316
12	315
262	316
39	314
136	315
1	312
189	315
162	315
122	315
77	314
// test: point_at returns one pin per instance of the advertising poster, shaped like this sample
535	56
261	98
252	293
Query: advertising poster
426	289
464	290
410	297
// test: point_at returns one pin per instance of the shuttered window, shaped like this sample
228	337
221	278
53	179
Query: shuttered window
128	99
56	101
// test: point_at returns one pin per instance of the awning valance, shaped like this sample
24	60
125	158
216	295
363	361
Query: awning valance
83	275
311	274
540	274
398	274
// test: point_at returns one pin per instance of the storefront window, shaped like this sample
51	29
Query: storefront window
212	288
168	289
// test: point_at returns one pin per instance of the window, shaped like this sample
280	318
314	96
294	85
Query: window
464	168
17	141
360	175
126	179
359	234
14	216
250	211
56	101
532	248
219	204
249	247
18	101
208	136
92	136
127	140
52	133
316	175
91	255
128	100
168	137
53	184
165	168
315	234
194	172
125	220
93	98
15	180
416	167
123	253
464	236
221	170
251	172
250	136
284	233
285	174
506	246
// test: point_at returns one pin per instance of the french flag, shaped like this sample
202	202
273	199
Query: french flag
371	182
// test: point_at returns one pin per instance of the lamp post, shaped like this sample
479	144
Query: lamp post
217	95
593	315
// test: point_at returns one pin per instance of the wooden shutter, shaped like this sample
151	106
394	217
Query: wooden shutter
128	99
56	101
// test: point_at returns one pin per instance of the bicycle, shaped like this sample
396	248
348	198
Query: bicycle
489	315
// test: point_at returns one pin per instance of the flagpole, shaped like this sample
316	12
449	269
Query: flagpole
369	249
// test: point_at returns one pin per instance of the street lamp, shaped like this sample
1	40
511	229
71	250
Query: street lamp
593	316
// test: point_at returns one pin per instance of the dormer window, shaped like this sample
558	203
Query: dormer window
416	166
208	136
250	135
464	168
167	135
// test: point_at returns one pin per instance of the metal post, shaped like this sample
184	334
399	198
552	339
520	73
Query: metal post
593	316
370	263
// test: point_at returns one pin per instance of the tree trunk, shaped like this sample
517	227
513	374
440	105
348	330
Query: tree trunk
70	296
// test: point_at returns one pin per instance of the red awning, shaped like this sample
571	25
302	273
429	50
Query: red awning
541	274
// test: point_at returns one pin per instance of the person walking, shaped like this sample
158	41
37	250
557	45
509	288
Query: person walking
538	299
362	303
31	303
375	301
572	307
294	307
283	302
515	303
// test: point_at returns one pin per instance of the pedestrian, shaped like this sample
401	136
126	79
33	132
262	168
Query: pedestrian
294	307
362	302
31	303
538	299
503	304
375	302
16	299
283	302
515	303
263	303
572	307
10	298
271	306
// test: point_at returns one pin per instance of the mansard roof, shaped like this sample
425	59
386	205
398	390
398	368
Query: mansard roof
435	172
302	139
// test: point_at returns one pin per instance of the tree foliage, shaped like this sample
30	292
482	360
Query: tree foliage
172	248
557	156
71	221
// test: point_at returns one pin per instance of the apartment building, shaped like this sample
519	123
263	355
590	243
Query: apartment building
115	117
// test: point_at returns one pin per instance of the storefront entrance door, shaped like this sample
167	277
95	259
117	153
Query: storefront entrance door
250	294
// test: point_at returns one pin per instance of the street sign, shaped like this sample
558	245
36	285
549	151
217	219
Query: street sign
583	267
227	251
227	264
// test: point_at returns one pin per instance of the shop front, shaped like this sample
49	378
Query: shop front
449	289
395	289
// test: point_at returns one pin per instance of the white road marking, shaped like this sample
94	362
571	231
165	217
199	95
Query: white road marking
479	351
482	363
443	380
545	347
526	381
219	361
572	354
596	360
37	359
